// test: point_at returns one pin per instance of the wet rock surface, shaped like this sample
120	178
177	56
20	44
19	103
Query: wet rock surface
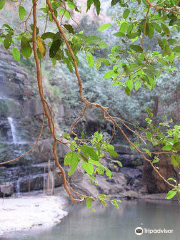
21	116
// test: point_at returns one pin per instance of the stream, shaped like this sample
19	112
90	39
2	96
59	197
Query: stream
112	224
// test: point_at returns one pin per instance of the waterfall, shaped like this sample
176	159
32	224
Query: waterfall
13	130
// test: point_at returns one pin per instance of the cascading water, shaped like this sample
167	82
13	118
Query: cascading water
13	129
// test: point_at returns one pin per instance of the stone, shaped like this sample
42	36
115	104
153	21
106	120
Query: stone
3	108
30	184
130	160
122	149
118	178
130	195
155	183
131	174
85	187
6	190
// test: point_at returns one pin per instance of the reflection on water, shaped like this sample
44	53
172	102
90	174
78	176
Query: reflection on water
111	224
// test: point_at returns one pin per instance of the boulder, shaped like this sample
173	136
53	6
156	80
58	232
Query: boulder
106	187
122	149
130	195
155	183
130	160
6	190
131	174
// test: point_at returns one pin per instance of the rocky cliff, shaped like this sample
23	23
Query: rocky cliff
21	116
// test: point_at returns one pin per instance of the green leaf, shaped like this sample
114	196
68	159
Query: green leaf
174	162
98	64
137	85
54	48
59	55
71	4
88	167
155	160
71	159
114	2
64	13
26	49
149	136
22	12
127	91
171	194
172	179
7	41
69	28
108	173
126	13
2	3
88	202
89	152
92	39
157	27
176	49
97	5
123	27
119	163
109	74
47	35
161	43
119	34
136	48
55	5
41	46
178	196
104	27
16	54
150	30
115	203
89	3
165	29
129	84
105	61
90	59
167	50
167	148
111	151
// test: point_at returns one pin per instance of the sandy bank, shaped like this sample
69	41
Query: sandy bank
28	212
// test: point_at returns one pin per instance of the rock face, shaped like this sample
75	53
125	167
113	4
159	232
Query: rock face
154	183
6	190
21	115
125	182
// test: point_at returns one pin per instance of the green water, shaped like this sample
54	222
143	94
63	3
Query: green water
111	224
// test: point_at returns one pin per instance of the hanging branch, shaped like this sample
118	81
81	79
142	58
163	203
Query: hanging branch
47	110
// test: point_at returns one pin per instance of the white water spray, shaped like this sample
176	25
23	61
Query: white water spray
13	130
